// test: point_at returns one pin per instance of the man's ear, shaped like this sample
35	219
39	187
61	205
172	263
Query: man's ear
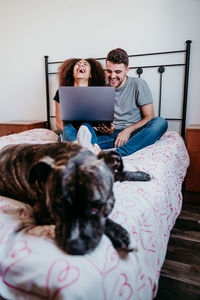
40	170
127	70
112	159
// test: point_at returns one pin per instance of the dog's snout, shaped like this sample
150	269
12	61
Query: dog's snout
81	238
76	247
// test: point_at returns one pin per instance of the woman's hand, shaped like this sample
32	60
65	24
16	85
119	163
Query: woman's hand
102	128
59	125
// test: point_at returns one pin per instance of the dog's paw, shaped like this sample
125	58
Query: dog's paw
118	235
132	176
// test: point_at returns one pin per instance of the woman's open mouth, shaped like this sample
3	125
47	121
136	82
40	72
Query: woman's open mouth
81	71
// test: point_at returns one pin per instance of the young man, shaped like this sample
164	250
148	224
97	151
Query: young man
135	125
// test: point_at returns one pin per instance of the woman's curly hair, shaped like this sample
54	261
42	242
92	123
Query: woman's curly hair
65	72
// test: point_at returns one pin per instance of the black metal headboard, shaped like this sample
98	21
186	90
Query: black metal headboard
160	68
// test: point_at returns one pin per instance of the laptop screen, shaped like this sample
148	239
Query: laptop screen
89	104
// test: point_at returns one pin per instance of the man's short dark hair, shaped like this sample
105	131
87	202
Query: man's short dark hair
118	56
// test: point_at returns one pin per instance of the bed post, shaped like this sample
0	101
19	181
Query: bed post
161	70
187	62
47	89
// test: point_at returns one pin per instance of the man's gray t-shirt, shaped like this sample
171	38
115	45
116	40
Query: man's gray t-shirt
128	100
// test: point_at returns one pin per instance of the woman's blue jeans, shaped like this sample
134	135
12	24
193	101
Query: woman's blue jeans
140	138
69	133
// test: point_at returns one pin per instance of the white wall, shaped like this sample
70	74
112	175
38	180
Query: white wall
30	29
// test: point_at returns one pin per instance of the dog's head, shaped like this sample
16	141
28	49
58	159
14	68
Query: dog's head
79	198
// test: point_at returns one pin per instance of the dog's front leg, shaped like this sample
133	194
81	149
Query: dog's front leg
132	176
118	236
115	163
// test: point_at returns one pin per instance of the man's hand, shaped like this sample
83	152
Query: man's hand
122	137
106	129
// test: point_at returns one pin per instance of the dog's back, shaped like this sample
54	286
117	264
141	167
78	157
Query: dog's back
16	161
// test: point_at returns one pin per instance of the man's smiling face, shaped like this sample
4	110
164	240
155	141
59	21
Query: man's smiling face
116	74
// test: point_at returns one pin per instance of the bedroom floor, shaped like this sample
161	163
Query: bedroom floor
180	275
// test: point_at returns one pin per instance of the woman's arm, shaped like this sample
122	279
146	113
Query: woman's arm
59	122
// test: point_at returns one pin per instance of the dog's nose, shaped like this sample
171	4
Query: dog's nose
76	247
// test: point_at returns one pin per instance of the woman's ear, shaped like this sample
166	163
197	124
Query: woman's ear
40	170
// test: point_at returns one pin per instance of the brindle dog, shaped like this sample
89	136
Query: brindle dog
70	187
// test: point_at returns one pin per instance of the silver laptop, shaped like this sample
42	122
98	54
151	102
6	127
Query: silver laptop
90	104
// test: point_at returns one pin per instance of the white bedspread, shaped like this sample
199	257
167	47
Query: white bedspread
33	267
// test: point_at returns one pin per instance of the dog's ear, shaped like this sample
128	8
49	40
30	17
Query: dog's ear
40	170
112	159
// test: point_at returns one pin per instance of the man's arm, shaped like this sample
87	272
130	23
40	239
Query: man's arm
147	113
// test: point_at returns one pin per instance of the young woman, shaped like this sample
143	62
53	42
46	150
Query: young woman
80	73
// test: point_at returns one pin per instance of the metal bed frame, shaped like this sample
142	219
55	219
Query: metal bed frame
139	71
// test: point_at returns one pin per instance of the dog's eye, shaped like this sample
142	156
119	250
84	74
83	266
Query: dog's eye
96	207
94	211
